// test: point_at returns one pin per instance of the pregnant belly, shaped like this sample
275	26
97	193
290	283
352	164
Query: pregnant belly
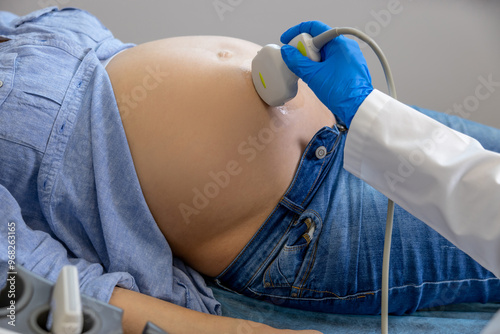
212	159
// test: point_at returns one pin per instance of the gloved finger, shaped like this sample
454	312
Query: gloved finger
313	28
349	48
348	43
296	62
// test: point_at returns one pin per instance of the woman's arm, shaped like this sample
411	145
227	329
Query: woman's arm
139	309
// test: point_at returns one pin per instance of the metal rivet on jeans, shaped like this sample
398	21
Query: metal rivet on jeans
321	152
1	83
294	294
267	285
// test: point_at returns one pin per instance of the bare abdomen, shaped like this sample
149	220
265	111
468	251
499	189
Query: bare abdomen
213	160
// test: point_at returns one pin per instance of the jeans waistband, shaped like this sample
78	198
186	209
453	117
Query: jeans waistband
313	167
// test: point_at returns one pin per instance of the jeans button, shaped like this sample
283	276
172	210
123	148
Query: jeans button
321	152
1	83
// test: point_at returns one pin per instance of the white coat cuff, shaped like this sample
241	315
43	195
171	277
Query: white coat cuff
360	129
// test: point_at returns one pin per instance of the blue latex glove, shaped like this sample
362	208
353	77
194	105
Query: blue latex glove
341	80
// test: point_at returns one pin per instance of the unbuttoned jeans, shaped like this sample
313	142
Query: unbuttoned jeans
321	248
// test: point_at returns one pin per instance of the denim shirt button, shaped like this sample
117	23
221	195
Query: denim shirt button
321	152
1	83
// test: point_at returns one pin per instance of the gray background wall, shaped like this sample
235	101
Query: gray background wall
441	52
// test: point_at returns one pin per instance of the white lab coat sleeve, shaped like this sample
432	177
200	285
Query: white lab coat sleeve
442	177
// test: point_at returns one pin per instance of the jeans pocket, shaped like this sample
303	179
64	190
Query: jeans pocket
295	258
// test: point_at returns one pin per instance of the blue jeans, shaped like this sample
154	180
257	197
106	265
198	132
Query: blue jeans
321	248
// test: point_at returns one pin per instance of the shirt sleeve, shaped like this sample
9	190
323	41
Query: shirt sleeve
442	177
38	252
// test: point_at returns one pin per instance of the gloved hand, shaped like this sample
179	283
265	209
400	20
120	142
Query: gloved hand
341	79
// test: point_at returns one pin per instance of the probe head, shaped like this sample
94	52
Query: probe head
273	80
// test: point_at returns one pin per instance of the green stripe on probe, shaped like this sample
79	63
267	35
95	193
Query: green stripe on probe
262	79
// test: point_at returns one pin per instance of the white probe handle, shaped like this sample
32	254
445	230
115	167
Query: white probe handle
272	78
304	43
66	304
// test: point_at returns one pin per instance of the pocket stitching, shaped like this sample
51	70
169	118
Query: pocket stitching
312	258
289	250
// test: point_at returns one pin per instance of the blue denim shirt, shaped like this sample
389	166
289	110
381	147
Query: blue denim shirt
67	179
